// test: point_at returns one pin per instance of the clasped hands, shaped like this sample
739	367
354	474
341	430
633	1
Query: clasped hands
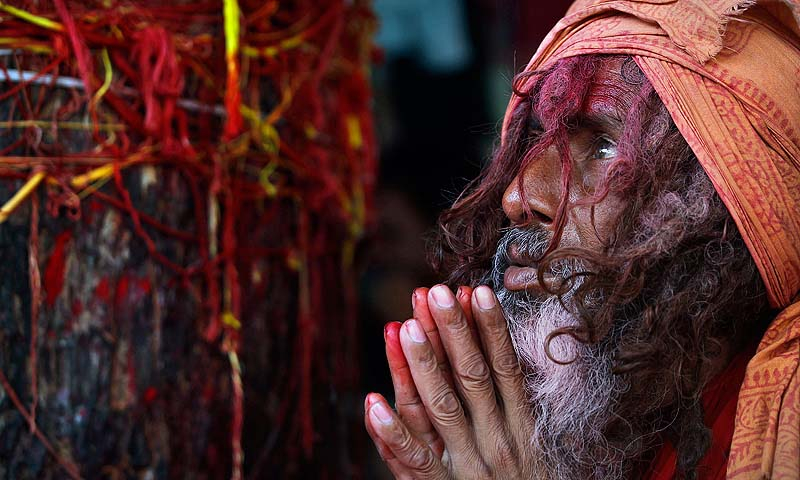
461	411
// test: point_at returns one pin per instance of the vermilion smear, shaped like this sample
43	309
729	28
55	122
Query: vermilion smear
54	273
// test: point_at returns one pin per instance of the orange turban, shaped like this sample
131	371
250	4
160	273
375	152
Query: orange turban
729	74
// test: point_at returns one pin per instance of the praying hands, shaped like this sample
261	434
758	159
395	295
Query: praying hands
460	399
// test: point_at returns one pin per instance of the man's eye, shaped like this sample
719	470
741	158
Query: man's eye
604	148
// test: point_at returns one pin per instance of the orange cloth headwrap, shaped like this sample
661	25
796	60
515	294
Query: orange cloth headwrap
729	74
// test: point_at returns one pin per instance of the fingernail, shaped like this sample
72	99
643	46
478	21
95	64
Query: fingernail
380	413
371	398
413	300
485	298
386	330
442	296
415	332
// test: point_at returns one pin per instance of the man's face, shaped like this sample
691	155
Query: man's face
570	384
593	142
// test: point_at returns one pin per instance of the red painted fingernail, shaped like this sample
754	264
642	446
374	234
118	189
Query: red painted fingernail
415	331
484	297
390	330
442	296
371	398
414	299
381	413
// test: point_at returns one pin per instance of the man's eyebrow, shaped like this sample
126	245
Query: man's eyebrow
606	117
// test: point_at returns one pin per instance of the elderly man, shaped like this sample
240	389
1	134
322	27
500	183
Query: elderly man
642	320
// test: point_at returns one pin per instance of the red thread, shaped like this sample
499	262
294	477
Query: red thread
54	272
175	106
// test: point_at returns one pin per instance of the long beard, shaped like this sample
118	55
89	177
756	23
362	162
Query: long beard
572	391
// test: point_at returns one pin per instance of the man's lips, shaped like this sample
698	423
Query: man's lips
517	278
522	273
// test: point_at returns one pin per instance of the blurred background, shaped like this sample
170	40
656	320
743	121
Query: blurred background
183	321
441	86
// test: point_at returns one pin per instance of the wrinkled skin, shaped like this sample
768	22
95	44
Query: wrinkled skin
468	422
461	407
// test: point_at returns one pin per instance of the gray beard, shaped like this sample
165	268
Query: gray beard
572	400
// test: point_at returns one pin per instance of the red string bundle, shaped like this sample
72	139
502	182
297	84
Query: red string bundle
207	170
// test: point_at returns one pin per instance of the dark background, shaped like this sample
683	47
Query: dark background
441	89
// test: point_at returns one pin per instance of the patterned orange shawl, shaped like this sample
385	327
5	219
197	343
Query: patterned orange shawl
729	74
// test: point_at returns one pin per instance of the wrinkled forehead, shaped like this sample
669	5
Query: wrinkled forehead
615	86
600	88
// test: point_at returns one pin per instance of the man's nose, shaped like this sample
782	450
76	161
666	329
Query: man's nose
541	183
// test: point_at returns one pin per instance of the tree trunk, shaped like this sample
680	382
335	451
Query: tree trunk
168	293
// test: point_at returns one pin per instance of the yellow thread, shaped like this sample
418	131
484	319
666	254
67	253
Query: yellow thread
229	319
251	51
104	172
98	173
29	17
287	94
267	134
356	207
93	187
271	51
231	15
109	127
294	262
115	30
292	42
21	195
263	178
234	361
25	44
271	140
311	131
354	132
109	75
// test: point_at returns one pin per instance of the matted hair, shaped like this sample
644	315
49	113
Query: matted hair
678	289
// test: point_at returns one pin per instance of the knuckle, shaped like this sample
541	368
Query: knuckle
456	322
422	460
475	374
506	365
429	436
426	358
498	331
446	407
403	441
444	366
409	403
